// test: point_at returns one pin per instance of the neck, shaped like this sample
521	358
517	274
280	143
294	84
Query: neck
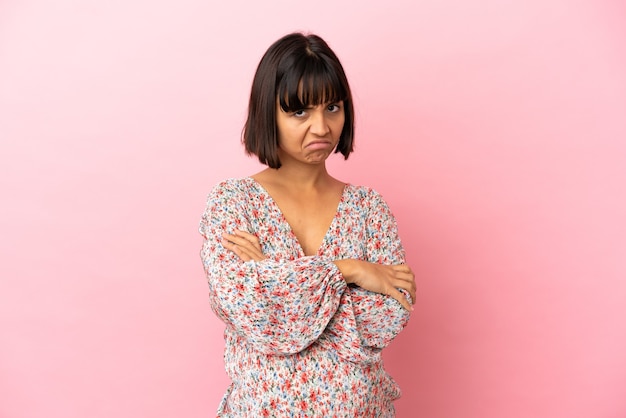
304	176
295	176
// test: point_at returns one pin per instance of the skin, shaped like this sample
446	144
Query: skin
308	198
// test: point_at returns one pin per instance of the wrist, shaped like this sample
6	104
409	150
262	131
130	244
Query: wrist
347	269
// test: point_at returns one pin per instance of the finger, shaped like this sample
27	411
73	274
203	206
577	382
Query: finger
407	275
407	282
401	275
402	267
233	237
246	251
237	250
253	253
408	286
243	238
251	238
242	242
244	234
244	246
397	295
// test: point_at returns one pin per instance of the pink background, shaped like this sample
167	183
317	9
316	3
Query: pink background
495	129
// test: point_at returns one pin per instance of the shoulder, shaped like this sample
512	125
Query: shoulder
232	188
365	195
227	198
368	202
232	194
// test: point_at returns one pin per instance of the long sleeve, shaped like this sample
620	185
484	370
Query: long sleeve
278	305
366	322
380	318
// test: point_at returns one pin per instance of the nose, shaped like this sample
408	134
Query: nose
319	124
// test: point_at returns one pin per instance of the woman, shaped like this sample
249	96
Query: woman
307	272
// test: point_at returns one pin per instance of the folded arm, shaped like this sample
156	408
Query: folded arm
380	316
278	306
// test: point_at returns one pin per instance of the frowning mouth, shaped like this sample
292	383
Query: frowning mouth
318	145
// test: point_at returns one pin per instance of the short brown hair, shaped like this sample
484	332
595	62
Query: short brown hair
299	71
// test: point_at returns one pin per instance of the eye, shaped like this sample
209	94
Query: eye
333	108
299	113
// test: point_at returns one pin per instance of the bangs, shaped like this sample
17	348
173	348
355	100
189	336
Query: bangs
309	83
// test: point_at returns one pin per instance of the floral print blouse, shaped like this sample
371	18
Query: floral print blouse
300	342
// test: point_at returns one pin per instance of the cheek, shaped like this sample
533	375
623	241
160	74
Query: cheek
285	135
338	125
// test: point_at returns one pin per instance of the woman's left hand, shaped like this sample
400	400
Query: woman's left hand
244	244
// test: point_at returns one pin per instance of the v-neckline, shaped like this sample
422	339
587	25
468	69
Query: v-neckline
283	218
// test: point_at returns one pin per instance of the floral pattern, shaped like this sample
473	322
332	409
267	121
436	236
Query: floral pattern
300	342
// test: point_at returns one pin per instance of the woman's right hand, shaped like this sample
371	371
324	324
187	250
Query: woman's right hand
244	244
380	278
